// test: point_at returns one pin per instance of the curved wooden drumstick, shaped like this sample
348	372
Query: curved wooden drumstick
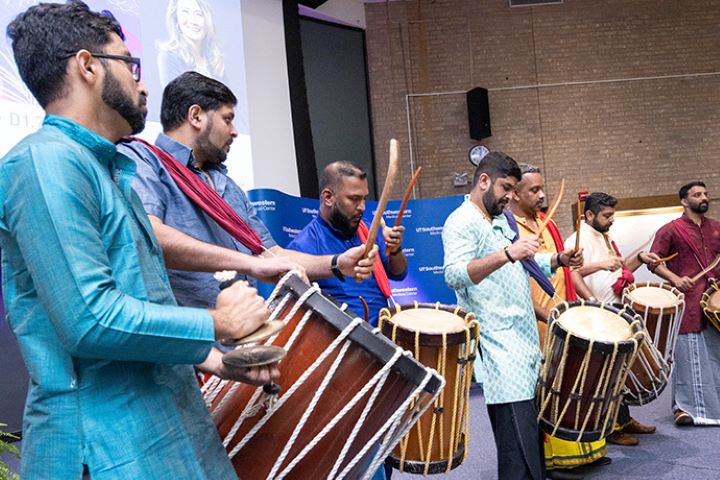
705	270
389	180
401	212
665	259
551	212
582	196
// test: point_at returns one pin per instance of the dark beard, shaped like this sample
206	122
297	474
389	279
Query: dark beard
205	150
493	207
600	229
115	98
342	223
701	208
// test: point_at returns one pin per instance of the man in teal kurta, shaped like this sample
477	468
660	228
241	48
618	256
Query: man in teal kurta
112	391
481	265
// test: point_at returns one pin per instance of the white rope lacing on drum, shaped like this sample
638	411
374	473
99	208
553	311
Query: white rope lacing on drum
300	381
216	385
604	383
269	401
391	428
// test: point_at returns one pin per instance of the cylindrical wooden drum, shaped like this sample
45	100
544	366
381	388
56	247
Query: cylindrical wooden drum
710	304
444	338
661	307
587	356
344	400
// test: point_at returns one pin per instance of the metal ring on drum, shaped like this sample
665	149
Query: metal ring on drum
661	308
446	339
588	352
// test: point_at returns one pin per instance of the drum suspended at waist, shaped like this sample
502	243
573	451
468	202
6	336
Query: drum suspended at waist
446	339
344	395
588	352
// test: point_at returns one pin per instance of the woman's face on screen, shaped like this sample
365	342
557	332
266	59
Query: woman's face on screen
191	20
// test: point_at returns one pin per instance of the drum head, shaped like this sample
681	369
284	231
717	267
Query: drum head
595	323
655	297
429	320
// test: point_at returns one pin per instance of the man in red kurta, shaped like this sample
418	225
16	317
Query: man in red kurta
696	239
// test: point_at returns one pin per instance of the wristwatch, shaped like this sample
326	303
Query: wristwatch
335	269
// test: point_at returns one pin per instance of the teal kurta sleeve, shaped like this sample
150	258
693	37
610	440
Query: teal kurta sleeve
53	200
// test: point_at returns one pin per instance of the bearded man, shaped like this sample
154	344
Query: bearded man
561	456
188	196
339	227
489	268
606	273
696	240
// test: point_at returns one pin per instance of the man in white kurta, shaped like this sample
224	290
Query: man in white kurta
606	272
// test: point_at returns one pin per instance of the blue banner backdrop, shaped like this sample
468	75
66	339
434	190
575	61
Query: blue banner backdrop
285	215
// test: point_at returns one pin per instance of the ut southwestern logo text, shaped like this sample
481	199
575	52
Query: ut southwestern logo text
264	205
431	230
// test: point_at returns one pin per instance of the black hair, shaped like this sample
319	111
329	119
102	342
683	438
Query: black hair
528	168
497	165
188	89
685	189
45	36
596	201
331	174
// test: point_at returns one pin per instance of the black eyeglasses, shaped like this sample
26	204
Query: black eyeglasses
134	62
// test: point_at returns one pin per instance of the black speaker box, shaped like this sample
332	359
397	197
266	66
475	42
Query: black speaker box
478	113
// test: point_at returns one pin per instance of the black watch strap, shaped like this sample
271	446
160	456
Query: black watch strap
335	269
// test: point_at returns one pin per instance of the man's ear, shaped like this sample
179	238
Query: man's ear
684	202
484	182
196	116
85	65
327	197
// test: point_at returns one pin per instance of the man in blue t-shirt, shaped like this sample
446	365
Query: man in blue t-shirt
344	188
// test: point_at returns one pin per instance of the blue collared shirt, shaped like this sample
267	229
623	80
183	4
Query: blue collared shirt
509	343
107	350
162	198
320	238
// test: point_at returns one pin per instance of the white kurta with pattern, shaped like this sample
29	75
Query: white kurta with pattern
509	342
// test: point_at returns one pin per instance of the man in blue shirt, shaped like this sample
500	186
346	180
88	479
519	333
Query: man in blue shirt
343	189
109	354
197	116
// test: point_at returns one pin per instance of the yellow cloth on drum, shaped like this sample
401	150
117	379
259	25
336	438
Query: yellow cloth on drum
559	453
563	454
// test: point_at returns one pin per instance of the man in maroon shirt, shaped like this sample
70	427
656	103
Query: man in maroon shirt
696	239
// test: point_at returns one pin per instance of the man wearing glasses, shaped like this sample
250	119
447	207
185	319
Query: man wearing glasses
110	355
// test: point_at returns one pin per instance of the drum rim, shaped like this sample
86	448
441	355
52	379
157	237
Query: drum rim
707	294
624	346
435	466
642	308
428	339
376	345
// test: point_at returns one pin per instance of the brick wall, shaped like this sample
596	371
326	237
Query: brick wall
640	136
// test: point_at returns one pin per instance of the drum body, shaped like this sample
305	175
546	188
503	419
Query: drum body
710	304
443	338
661	307
344	399
587	355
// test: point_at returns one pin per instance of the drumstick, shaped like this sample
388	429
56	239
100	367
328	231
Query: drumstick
714	264
581	198
401	212
389	179
665	259
551	212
